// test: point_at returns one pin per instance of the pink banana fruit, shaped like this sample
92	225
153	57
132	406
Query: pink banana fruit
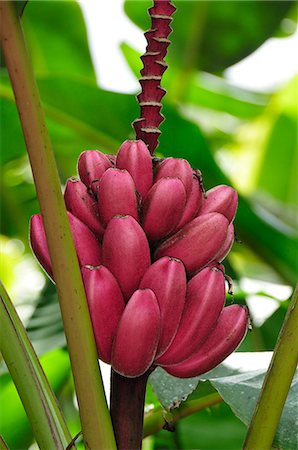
224	339
137	336
91	166
225	249
197	243
87	246
135	157
205	299
222	199
174	167
167	279
106	306
192	206
82	205
126	252
116	195
163	207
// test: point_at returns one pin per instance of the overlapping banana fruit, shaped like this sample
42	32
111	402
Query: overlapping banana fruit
149	243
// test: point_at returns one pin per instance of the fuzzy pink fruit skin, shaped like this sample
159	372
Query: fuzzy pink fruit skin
135	157
174	167
197	243
163	207
116	195
228	244
205	299
87	246
167	279
91	166
137	336
126	252
39	244
192	206
222	199
106	306
225	338
82	205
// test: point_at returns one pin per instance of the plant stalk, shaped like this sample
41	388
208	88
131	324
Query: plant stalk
49	427
277	383
127	410
95	418
154	421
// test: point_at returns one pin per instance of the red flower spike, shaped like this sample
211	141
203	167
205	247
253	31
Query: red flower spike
222	199
192	206
136	159
91	166
228	244
137	336
87	246
225	338
197	243
106	306
126	252
167	279
82	205
146	127
180	168
163	208
116	195
205	299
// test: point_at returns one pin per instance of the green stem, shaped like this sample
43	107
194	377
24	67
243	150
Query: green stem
154	421
3	445
39	401
95	417
277	383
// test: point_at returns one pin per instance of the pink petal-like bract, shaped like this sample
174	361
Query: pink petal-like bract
135	157
196	243
163	207
225	338
175	167
192	206
225	249
82	205
167	279
205	299
106	306
87	246
137	336
126	252
222	199
91	166
116	195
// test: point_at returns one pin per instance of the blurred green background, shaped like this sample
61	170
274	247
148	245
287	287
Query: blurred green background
236	136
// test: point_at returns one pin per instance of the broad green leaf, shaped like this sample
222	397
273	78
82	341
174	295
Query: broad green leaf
213	35
14	424
57	39
241	393
239	388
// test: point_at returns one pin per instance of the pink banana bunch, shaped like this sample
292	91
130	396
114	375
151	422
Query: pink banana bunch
149	244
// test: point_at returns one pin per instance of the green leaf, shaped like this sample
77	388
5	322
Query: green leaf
238	387
20	5
241	393
212	36
57	39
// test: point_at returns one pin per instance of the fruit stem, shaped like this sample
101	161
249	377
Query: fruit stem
277	383
95	417
127	410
